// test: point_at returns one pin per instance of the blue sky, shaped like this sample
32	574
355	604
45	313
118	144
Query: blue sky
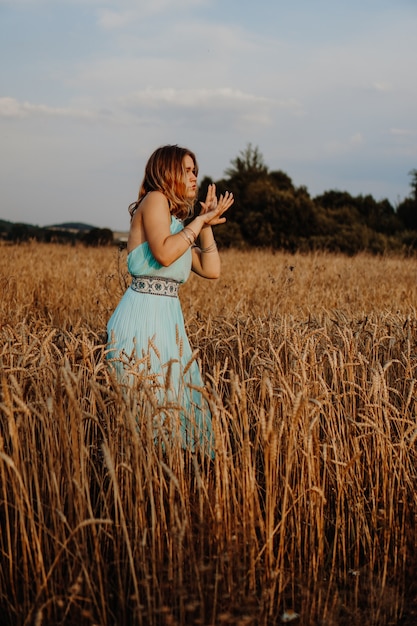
327	91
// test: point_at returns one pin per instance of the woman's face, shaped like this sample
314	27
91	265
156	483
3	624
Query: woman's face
190	177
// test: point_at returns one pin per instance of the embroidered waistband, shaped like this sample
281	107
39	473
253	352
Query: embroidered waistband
157	286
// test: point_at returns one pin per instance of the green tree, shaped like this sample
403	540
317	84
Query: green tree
270	211
247	168
249	164
282	180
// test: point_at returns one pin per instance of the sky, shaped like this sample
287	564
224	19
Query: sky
326	90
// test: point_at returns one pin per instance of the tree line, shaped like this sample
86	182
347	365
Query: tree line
19	232
271	212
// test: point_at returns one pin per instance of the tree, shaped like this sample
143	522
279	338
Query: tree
270	211
249	164
20	232
282	180
98	237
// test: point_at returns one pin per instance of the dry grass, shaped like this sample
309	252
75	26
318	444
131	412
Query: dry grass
310	503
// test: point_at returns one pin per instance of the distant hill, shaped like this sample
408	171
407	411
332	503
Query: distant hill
73	226
5	225
66	232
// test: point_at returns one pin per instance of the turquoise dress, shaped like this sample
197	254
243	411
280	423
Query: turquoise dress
147	341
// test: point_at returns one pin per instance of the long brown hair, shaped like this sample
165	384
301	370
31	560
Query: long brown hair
165	172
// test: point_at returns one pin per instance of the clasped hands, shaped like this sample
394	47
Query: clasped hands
212	209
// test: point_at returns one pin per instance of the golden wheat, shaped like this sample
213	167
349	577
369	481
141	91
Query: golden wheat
310	503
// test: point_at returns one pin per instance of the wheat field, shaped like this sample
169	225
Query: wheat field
306	515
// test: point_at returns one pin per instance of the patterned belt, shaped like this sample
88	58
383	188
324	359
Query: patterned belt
155	286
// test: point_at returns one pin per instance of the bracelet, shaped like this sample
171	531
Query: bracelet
187	228
186	236
211	248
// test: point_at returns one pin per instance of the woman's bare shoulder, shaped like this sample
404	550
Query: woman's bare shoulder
154	199
152	214
154	210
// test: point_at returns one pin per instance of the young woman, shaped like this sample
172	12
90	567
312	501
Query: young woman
146	331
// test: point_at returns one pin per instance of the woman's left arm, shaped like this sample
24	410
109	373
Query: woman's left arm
206	259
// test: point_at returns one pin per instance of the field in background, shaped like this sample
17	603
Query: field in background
309	507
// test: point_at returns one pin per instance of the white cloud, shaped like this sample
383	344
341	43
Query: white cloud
198	102
130	11
9	107
110	20
215	109
12	108
356	139
219	98
402	132
382	86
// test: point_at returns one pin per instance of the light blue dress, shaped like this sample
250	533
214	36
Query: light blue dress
146	335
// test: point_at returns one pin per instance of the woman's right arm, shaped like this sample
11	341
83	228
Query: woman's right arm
151	223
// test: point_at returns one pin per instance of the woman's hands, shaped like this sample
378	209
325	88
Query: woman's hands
206	260
212	209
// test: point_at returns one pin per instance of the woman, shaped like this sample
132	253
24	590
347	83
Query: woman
146	331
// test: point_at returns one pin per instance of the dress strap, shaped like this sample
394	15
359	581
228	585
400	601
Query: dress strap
156	286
